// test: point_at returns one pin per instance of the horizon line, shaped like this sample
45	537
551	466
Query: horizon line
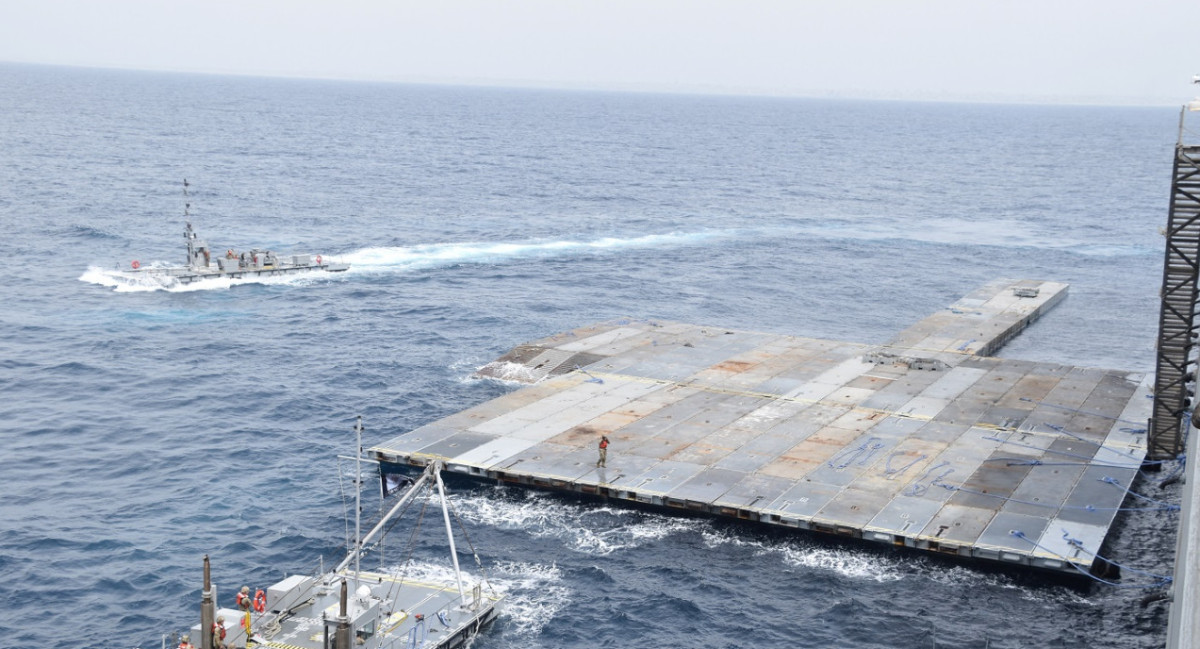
699	90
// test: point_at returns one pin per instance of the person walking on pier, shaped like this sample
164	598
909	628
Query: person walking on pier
603	451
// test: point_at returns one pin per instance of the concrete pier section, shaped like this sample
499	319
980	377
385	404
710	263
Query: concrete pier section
926	441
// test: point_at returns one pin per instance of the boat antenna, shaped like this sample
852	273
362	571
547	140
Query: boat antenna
187	206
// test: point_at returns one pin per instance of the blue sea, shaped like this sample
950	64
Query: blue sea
146	426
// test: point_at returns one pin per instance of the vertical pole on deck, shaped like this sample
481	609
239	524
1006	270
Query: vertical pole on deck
341	638
207	609
450	534
358	500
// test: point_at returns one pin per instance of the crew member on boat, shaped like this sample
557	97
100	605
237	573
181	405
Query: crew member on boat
218	631
244	601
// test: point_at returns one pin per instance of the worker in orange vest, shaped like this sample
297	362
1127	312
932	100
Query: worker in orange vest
218	630
244	601
603	450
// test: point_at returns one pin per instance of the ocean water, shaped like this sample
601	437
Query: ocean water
146	426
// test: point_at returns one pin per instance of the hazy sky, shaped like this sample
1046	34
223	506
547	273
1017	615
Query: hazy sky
1098	51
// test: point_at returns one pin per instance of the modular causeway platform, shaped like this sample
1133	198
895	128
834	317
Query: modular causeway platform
924	442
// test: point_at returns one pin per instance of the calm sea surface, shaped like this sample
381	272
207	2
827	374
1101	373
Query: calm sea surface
143	428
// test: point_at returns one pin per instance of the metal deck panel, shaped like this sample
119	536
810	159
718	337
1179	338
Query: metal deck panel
491	453
754	490
1042	491
456	444
1055	542
905	384
797	425
662	478
624	470
707	485
1094	501
896	427
857	506
957	525
601	339
999	536
993	482
803	500
903	516
547	462
743	460
418	439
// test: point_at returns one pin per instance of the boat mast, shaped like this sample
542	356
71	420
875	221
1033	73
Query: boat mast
187	233
462	594
358	500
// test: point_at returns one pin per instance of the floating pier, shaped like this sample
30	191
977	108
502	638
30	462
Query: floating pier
926	441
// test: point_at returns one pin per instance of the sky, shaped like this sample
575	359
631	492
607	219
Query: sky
1141	52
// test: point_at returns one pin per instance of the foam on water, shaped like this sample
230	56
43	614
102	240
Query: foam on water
533	593
998	232
797	554
596	531
437	255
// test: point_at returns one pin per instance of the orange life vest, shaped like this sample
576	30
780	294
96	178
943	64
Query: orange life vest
604	443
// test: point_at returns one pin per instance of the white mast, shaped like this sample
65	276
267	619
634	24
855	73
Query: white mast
358	501
450	535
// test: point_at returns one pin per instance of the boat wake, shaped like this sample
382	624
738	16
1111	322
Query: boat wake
439	255
402	259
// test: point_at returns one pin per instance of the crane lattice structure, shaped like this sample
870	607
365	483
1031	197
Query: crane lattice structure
1175	365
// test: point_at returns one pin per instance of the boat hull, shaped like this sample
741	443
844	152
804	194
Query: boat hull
185	275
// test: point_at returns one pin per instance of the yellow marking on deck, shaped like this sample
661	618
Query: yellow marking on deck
395	620
278	645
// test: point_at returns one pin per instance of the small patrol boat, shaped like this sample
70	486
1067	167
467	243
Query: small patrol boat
248	264
255	263
349	608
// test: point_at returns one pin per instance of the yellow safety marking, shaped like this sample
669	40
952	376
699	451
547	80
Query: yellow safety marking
277	645
408	582
395	620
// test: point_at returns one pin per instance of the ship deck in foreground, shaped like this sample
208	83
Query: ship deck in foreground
925	442
348	607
